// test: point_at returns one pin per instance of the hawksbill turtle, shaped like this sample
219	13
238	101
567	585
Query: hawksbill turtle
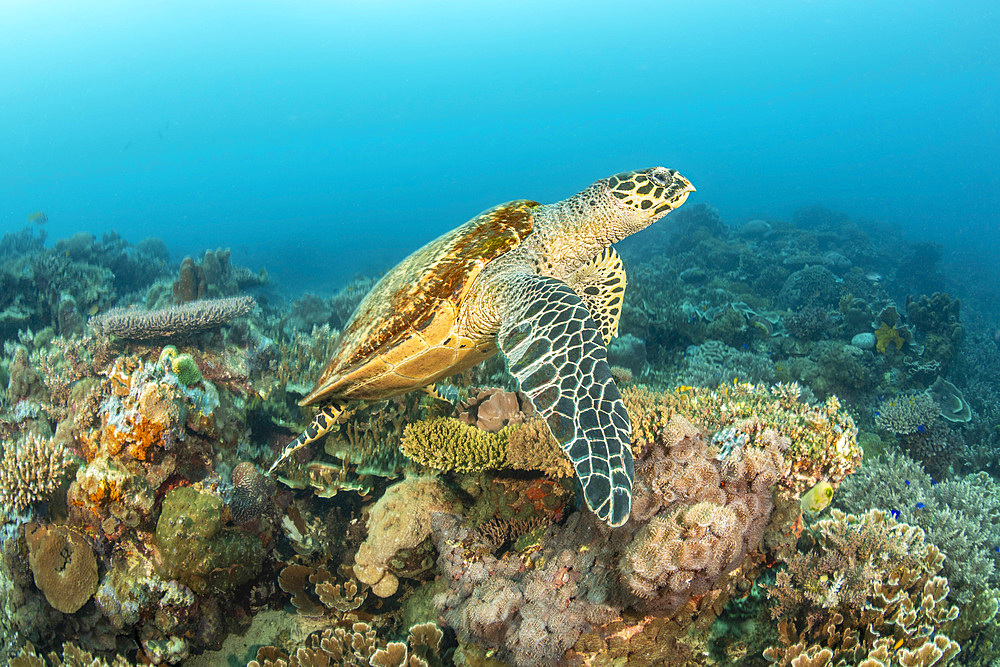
541	284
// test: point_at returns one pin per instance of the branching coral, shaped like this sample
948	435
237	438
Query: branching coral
449	444
907	413
866	592
31	470
961	516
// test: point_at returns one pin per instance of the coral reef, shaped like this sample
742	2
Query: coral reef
823	437
695	519
865	592
961	516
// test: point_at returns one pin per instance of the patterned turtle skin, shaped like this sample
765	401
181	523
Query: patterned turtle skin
541	284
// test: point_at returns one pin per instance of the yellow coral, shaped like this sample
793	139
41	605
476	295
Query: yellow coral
448	444
886	336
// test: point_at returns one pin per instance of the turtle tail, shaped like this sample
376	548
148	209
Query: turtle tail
321	424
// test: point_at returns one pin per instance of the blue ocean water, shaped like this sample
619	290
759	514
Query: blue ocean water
321	139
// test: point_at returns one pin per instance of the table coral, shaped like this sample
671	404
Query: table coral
63	564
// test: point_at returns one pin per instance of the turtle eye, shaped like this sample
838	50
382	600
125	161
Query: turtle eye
658	177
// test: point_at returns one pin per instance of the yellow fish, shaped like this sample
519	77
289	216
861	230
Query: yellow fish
38	217
817	498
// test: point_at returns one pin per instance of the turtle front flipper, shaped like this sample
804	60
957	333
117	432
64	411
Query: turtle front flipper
321	424
601	284
555	350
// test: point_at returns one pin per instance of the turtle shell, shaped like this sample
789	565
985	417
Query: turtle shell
403	336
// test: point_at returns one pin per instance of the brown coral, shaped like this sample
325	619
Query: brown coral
173	322
63	564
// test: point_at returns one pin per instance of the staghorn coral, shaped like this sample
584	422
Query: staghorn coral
31	469
63	564
174	322
398	524
865	592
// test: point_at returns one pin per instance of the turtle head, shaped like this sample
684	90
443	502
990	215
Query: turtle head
648	194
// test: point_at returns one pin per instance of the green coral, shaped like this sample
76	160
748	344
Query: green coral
448	444
186	369
193	548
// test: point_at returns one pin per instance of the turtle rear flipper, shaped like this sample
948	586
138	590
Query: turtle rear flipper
322	422
554	348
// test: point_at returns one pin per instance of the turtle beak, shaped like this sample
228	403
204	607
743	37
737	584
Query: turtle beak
678	190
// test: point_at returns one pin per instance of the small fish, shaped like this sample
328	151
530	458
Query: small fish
895	514
817	498
920	506
38	218
907	482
